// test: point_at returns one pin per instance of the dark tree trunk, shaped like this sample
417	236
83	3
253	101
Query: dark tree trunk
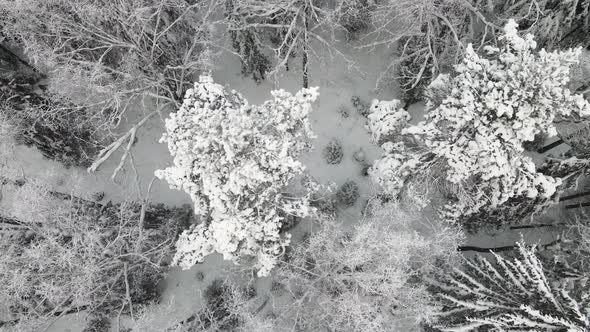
568	197
305	60
499	249
577	205
486	250
551	146
536	226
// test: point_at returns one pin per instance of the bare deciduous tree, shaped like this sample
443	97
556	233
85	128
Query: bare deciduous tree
64	254
105	56
290	28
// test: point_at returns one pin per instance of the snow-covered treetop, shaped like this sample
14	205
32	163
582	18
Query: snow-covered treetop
494	104
386	119
233	160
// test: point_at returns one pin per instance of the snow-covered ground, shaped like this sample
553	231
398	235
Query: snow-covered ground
337	86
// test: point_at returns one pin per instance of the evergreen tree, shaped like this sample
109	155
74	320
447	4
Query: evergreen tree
234	160
506	295
475	135
246	43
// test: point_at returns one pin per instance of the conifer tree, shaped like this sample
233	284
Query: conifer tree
474	137
510	294
234	160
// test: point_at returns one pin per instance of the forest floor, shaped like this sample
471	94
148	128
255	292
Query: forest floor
182	290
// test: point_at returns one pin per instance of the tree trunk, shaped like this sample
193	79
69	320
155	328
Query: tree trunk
551	146
568	197
536	226
305	60
577	205
486	250
500	249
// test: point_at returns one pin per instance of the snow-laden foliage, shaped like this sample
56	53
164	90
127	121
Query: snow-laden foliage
555	24
570	170
495	103
509	295
233	160
367	278
386	119
61	252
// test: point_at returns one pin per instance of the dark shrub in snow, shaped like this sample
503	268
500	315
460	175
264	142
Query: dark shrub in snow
333	152
348	193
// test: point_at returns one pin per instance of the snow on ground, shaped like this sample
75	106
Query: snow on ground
337	86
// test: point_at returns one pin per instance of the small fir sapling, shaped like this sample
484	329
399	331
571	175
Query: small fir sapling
437	91
362	107
234	159
97	324
355	17
333	152
348	193
365	170
98	196
343	111
325	205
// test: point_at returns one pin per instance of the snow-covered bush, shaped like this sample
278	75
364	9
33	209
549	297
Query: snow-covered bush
362	107
496	103
509	295
333	152
234	160
386	120
325	205
348	193
97	324
354	16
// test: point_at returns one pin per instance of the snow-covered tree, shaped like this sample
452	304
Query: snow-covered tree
247	44
234	160
509	295
495	103
369	277
386	120
45	122
429	36
555	24
290	28
62	253
107	56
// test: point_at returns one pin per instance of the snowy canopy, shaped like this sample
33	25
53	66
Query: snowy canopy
234	159
495	103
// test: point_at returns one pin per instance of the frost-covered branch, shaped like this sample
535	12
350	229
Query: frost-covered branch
508	294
